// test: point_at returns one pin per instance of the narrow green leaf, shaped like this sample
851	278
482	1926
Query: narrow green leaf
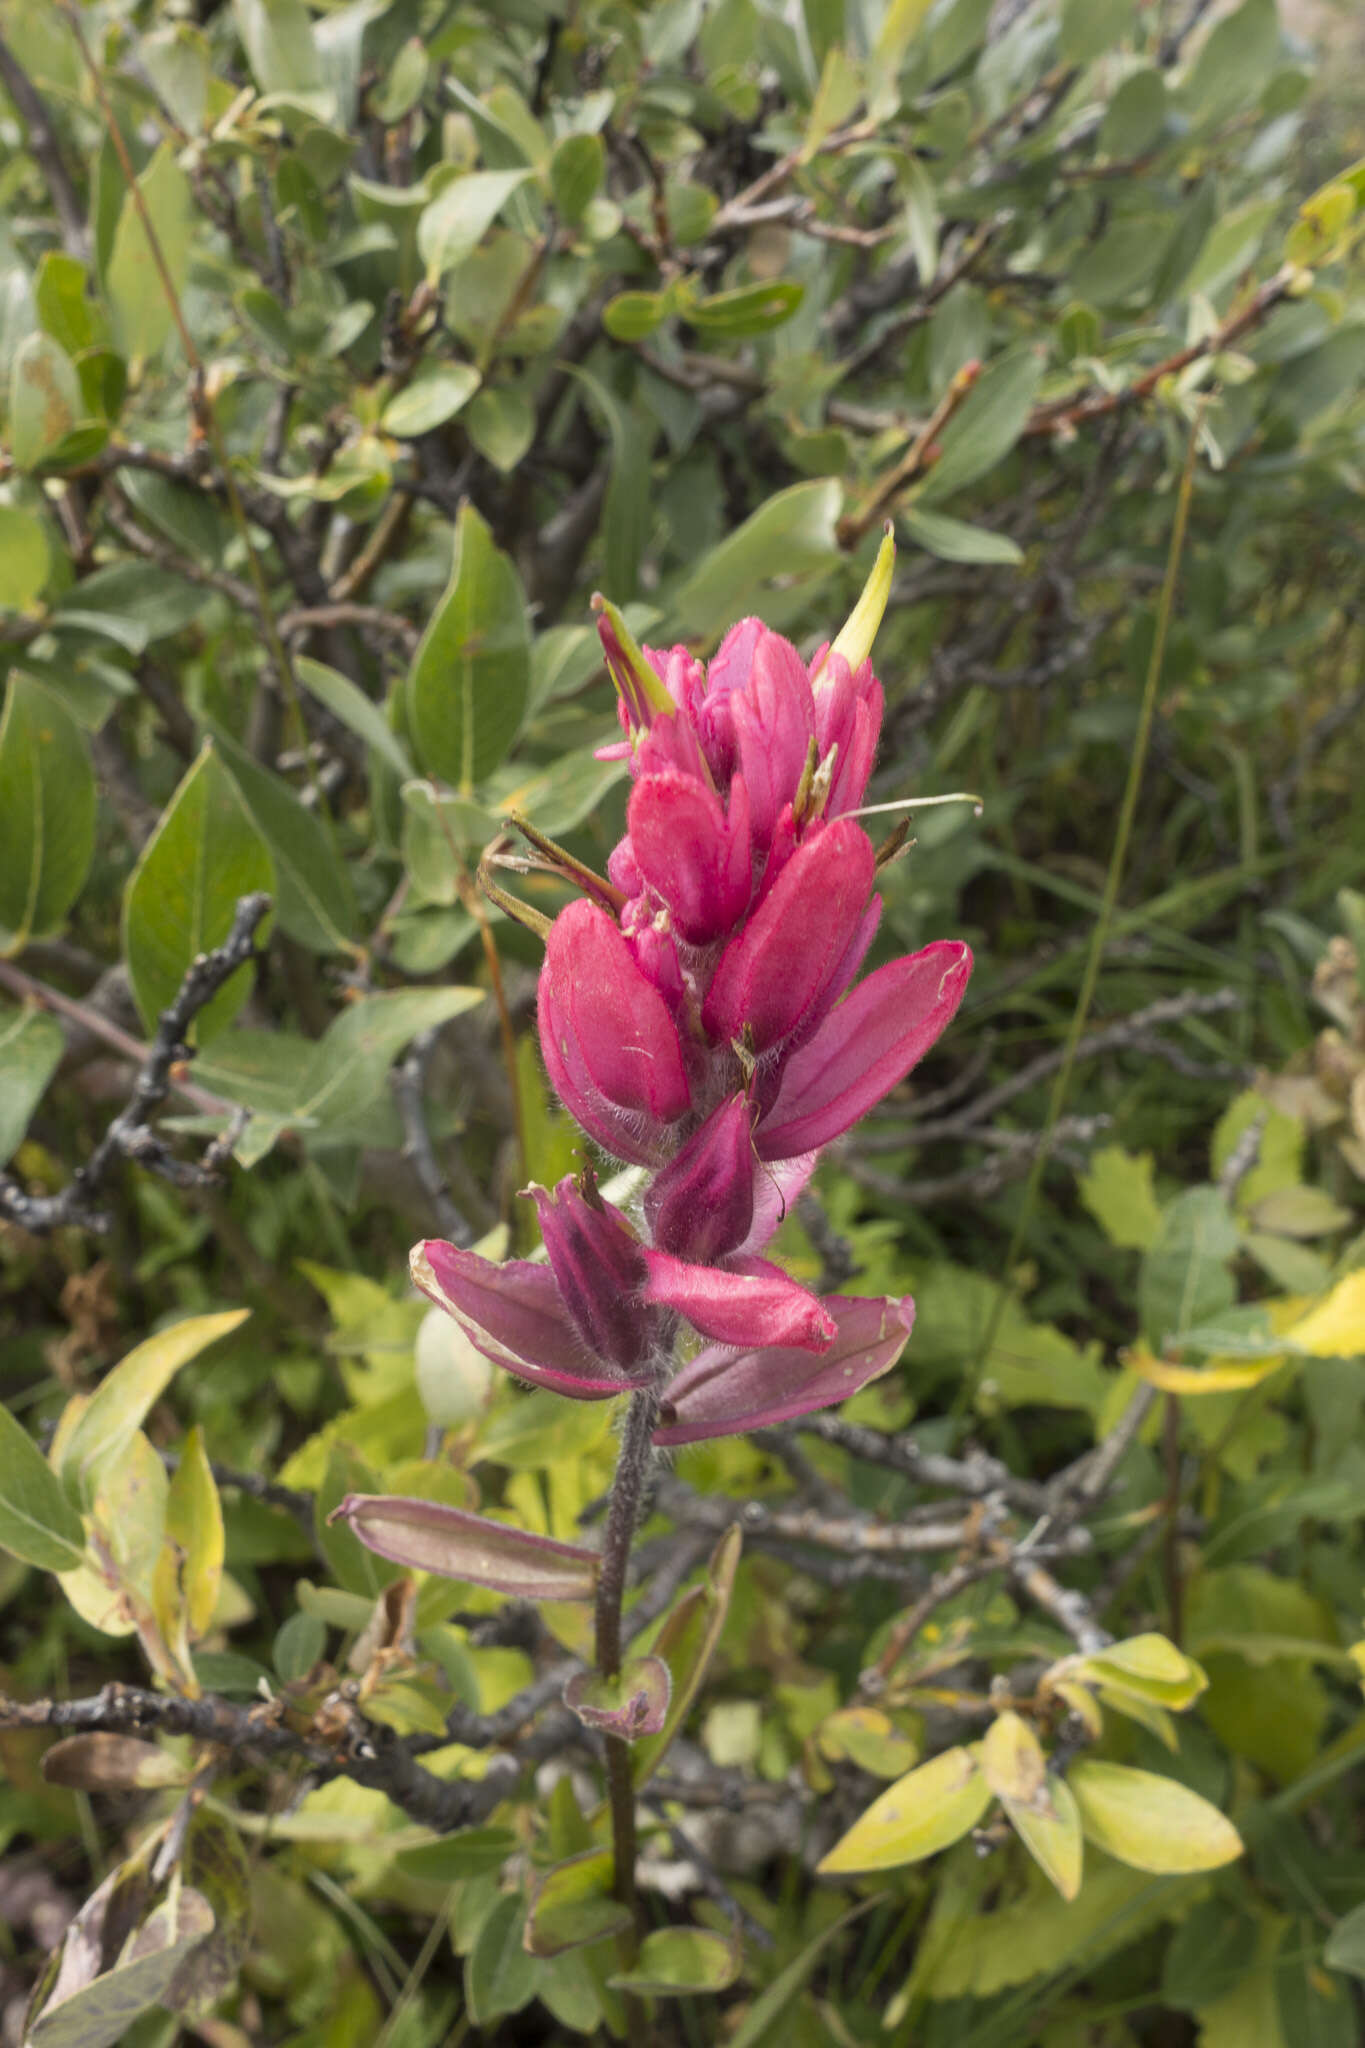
500	1977
460	215
756	2029
987	427
180	900
277	36
953	540
315	902
137	292
37	1521
47	813
686	1644
469	681
31	1047
348	702
577	169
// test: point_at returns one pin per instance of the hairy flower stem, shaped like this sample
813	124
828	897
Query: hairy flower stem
623	1512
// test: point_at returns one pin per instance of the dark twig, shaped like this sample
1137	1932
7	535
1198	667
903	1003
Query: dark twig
409	1084
977	1475
130	1135
354	1747
45	150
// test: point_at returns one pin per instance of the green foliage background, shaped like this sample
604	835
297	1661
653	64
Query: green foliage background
452	315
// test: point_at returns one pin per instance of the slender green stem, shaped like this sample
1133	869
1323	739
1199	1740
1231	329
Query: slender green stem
1113	879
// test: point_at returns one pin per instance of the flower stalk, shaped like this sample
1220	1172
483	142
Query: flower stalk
623	1514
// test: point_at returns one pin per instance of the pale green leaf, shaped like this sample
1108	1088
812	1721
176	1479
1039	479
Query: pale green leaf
139	295
44	399
456	221
31	1048
182	896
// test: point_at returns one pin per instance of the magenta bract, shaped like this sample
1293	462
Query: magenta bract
791	950
747	1301
864	1048
600	1271
608	1039
695	859
516	1316
717	1394
701	1205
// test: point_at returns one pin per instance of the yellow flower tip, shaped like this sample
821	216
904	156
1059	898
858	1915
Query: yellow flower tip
855	641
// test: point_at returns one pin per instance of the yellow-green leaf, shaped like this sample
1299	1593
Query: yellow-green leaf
676	1960
1150	1822
1336	1327
1151	1668
1049	1826
1012	1759
920	1814
194	1524
117	1408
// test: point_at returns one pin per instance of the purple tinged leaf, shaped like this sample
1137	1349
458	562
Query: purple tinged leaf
717	1394
748	1302
864	1048
631	1705
701	1205
428	1536
600	1270
516	1316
